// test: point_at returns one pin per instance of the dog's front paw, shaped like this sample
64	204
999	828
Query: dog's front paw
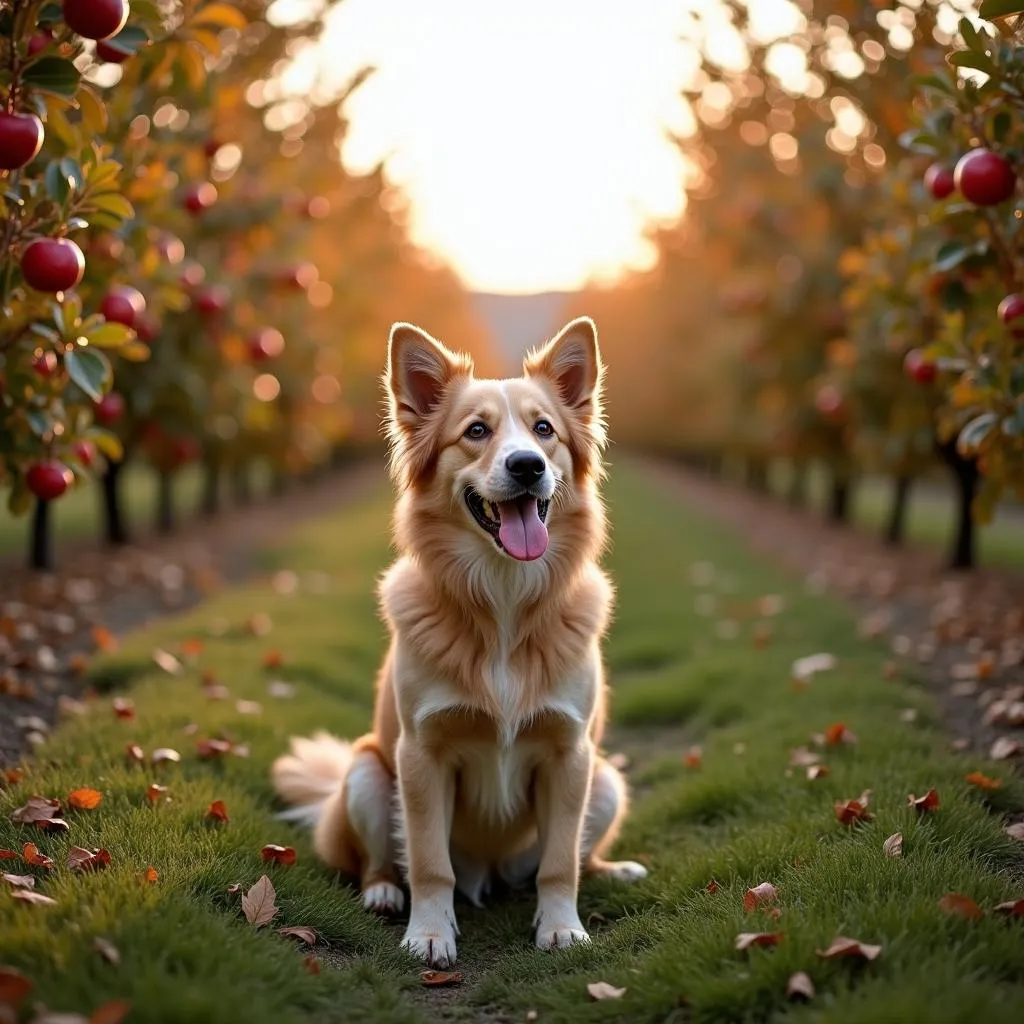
622	870
383	898
560	936
433	944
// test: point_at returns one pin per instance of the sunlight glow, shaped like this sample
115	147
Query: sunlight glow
531	139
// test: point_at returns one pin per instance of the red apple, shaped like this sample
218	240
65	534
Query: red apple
212	301
266	344
918	367
109	409
39	41
123	305
1011	309
48	480
830	403
147	327
95	19
938	179
110	53
21	137
45	363
85	452
52	264
198	198
985	178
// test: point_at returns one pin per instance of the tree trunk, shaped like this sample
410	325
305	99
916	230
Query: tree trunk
839	500
796	494
965	472
895	528
113	513
210	503
241	484
41	555
165	503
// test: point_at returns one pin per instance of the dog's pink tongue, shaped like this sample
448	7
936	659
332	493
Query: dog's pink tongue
522	533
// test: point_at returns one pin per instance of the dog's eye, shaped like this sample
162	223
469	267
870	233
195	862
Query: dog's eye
542	428
477	431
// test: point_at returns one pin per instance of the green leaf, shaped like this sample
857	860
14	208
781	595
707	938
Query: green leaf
73	170
53	75
90	370
50	13
952	254
992	9
971	37
970	59
129	40
58	187
920	142
93	111
110	335
114	204
108	443
976	431
935	82
20	500
1013	425
39	422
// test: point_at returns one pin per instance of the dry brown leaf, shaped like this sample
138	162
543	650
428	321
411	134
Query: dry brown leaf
800	986
302	932
1005	747
31	896
107	950
437	979
1013	908
844	947
110	1013
53	825
123	708
12	776
192	647
14	986
20	881
80	859
284	855
747	939
8	855
693	757
804	668
135	753
312	964
712	887
958	903
849	812
258	903
273	660
104	640
36	808
924	804
85	799
151	875
217	811
30	855
165	755
837	733
760	896
208	749
155	792
168	662
600	990
802	757
982	781
1015	831
816	771
893	846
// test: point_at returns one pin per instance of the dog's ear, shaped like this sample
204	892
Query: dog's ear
572	360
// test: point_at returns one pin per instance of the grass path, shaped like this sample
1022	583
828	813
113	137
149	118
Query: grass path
680	678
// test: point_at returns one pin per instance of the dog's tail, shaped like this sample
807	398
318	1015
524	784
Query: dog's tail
310	775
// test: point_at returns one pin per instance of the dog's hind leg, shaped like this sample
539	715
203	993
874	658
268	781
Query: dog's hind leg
605	812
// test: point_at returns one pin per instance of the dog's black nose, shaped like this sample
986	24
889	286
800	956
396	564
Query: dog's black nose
525	468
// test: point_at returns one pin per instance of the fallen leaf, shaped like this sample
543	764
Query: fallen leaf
155	792
436	979
928	802
747	939
192	647
602	990
168	662
8	855
107	950
85	799
80	859
958	903
36	808
802	757
302	932
163	755
1015	831
151	875
273	660
1014	908
760	896
800	986
712	887
893	846
20	881
850	811
816	771
843	947
258	903
207	749
53	825
104	640
693	757
30	896
31	855
312	964
135	753
284	855
1005	747
12	776
982	781
837	733
811	665
110	1013
217	811
14	986
123	708
248	707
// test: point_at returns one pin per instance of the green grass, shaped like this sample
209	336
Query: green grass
741	818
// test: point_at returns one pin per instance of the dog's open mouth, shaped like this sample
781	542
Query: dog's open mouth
517	526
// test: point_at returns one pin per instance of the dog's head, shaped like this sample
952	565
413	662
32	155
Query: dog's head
498	459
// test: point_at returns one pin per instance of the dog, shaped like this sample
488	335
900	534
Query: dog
483	761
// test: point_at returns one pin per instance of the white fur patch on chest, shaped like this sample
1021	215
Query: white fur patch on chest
494	779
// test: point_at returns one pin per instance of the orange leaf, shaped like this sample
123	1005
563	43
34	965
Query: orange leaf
217	811
110	1013
983	781
1015	908
958	903
843	947
712	887
85	799
285	855
273	659
850	811
800	986
31	855
123	708
693	757
12	776
439	978
104	640
747	939
14	986
760	896
155	792
302	932
312	964
838	733
192	647
8	855
928	802
151	875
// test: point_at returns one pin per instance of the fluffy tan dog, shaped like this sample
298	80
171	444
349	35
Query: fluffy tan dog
490	704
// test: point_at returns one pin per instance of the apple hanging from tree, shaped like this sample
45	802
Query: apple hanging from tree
939	181
985	178
45	363
1010	310
109	409
95	19
85	452
198	198
212	301
21	137
918	367
39	41
52	264
48	480
123	305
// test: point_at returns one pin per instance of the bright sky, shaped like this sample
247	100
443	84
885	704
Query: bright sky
528	136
